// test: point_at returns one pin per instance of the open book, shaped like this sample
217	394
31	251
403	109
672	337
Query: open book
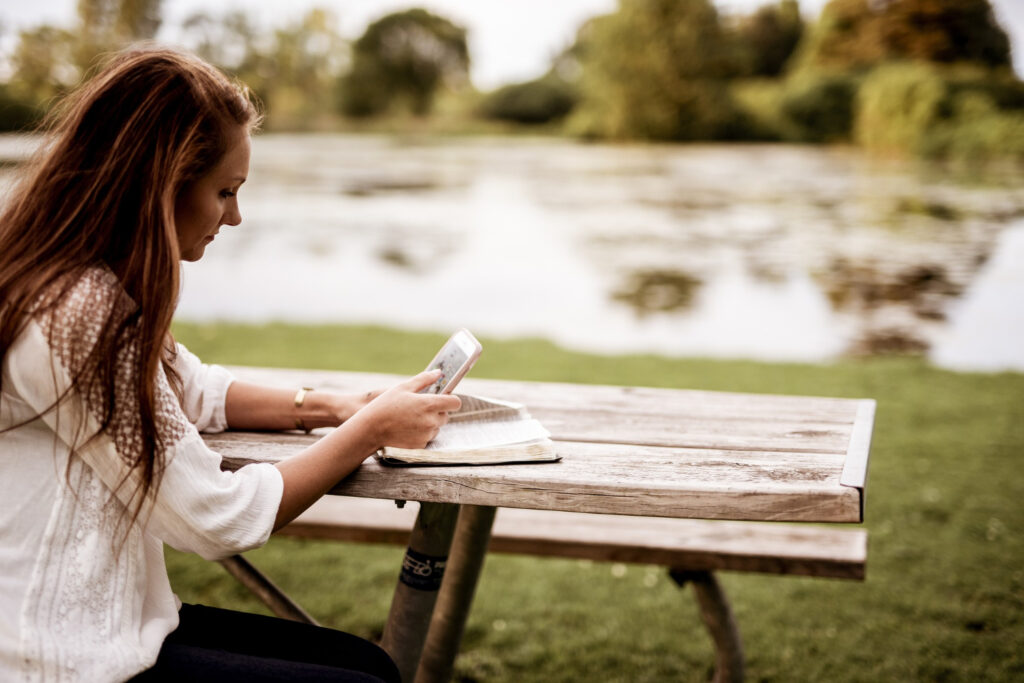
485	431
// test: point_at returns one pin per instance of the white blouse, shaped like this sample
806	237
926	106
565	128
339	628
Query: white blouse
82	596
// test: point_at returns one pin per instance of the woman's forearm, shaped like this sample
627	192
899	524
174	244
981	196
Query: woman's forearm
311	474
252	406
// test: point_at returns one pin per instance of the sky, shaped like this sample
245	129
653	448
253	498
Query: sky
508	41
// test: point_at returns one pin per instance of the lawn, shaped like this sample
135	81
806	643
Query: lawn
944	595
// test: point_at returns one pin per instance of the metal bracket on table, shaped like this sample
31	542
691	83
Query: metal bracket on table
855	466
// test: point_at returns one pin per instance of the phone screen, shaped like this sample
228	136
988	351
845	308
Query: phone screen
454	360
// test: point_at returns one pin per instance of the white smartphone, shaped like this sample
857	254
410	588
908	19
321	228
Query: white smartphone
454	359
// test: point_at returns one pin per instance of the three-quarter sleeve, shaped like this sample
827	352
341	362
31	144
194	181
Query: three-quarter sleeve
204	390
197	507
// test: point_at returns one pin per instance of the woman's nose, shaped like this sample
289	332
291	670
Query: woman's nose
232	216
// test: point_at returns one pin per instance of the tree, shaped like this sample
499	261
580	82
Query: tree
47	61
231	42
306	61
858	34
292	70
542	100
655	69
767	38
43	65
404	58
106	25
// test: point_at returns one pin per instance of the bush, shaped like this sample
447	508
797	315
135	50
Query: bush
534	102
16	114
818	106
897	105
957	114
759	101
978	130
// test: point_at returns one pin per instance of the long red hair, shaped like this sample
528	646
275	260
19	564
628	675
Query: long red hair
101	192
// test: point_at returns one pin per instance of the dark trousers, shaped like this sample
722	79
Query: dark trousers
219	645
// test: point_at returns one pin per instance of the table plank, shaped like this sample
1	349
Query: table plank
685	431
720	405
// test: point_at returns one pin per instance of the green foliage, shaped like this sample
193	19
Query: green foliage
232	43
978	130
108	25
15	113
48	61
806	107
293	71
43	65
404	58
897	105
760	103
655	70
925	110
543	100
767	38
944	592
857	34
819	106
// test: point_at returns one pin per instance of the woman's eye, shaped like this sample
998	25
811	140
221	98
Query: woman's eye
227	194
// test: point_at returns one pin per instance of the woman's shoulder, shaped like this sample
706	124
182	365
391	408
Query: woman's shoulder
94	291
76	309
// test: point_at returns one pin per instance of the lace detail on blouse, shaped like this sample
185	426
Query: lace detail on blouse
75	327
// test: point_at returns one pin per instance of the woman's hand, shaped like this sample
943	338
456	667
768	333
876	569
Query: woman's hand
404	418
344	406
397	417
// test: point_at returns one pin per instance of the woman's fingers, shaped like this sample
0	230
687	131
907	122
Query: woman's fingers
403	417
421	381
446	403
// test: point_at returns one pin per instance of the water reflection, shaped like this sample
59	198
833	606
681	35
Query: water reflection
654	291
755	251
985	325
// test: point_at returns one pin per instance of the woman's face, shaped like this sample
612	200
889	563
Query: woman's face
212	201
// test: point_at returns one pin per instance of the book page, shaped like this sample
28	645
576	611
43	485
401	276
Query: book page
481	408
465	435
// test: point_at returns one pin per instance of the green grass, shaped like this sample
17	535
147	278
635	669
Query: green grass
944	597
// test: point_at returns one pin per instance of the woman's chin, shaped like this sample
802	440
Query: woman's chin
195	253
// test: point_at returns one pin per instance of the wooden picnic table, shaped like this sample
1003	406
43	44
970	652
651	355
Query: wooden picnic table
625	451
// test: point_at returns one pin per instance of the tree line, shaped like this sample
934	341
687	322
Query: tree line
922	77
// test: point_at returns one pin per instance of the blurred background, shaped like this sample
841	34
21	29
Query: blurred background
644	193
850	182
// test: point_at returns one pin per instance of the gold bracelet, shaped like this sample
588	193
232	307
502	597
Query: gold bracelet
300	397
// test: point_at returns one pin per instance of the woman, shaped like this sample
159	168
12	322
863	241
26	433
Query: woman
101	462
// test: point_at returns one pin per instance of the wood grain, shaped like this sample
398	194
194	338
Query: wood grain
680	543
625	450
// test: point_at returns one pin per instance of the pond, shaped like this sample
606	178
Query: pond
767	252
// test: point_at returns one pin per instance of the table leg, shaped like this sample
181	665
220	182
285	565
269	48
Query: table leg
418	584
469	548
266	590
717	616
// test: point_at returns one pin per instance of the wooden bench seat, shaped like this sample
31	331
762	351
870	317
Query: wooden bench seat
685	543
690	549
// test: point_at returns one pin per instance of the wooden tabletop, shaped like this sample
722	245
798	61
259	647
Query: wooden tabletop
625	450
